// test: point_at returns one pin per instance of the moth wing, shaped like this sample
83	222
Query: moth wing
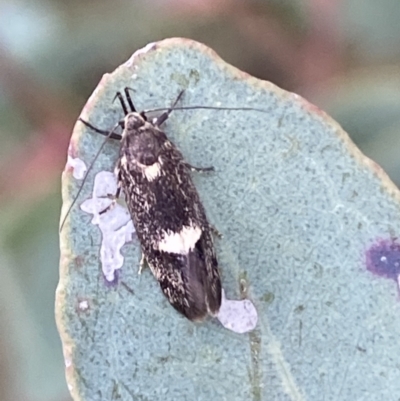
191	281
212	282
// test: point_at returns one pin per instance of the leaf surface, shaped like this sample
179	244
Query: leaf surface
307	222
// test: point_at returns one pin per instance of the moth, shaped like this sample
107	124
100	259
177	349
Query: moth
175	235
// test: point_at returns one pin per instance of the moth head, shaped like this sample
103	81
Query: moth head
133	121
141	143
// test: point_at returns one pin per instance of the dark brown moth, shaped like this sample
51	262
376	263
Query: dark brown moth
170	221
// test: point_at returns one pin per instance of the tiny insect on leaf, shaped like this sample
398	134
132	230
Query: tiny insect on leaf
170	221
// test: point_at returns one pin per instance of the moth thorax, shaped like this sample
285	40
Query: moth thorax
142	145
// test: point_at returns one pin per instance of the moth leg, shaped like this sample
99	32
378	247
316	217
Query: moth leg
199	169
164	116
142	264
100	131
215	231
126	286
119	96
109	207
114	199
129	99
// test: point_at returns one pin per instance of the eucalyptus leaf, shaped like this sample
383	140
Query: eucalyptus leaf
308	222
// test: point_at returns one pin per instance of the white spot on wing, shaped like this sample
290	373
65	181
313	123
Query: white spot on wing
116	225
181	242
238	316
151	172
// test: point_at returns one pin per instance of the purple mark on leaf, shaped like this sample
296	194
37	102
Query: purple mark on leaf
114	282
383	259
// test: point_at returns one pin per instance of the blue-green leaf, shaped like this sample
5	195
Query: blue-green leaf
308	224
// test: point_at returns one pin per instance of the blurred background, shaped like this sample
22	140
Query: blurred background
342	55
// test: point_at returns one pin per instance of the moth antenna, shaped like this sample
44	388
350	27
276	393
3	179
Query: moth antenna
168	110
207	108
110	135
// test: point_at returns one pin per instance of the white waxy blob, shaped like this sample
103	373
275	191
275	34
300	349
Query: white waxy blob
78	167
238	316
83	305
115	224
